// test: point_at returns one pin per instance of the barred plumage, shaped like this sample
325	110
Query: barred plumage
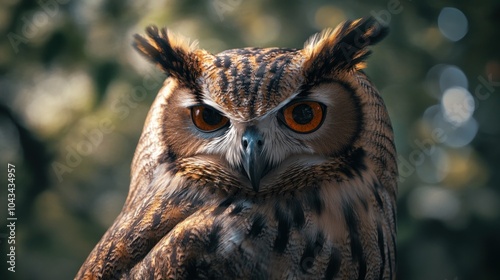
259	163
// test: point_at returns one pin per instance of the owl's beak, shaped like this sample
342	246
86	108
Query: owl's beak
254	162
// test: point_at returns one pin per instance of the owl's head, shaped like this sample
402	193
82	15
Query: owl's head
261	116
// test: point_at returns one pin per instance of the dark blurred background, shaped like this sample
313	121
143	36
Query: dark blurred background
74	96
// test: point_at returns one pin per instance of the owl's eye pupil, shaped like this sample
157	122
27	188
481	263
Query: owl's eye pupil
302	114
211	117
207	119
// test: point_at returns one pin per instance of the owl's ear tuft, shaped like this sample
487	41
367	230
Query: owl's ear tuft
344	48
171	53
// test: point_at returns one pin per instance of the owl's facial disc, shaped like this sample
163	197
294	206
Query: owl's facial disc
254	162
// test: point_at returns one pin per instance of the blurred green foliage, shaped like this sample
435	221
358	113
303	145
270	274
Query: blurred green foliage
74	96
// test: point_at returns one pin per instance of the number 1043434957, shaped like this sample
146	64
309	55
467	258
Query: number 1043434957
11	216
11	189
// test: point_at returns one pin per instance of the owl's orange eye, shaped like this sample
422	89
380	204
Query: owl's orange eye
304	116
207	119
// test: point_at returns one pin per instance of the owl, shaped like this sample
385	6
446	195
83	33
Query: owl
259	163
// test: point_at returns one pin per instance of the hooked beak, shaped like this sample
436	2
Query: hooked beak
254	161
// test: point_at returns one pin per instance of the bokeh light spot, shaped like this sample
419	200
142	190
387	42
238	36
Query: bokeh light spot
452	134
434	202
458	105
462	136
328	16
452	76
263	30
452	23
